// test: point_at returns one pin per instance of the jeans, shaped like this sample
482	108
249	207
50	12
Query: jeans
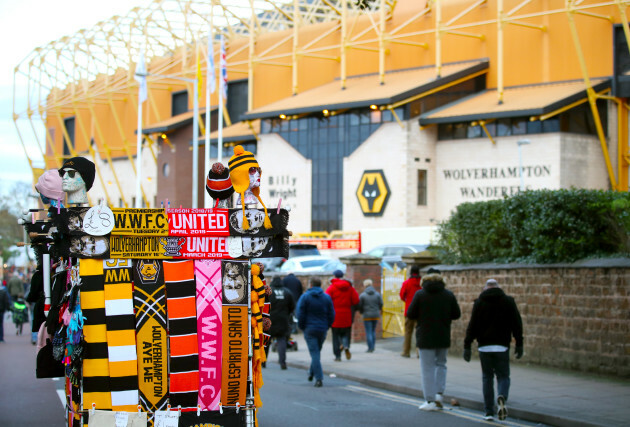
314	341
370	333
433	368
494	363
341	336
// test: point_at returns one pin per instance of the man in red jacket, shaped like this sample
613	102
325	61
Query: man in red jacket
407	291
344	297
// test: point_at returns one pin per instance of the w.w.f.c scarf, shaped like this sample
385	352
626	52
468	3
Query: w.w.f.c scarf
96	383
121	334
208	277
236	293
150	305
179	277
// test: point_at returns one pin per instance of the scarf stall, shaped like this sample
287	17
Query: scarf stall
162	318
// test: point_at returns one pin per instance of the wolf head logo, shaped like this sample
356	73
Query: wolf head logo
371	191
149	270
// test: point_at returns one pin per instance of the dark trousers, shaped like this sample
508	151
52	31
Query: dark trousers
340	336
494	363
1	325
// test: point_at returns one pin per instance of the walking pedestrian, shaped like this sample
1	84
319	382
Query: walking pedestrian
344	298
15	286
281	307
370	306
5	304
494	320
293	284
433	307
20	313
315	313
407	291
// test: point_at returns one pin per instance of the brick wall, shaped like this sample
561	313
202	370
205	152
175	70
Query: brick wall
573	318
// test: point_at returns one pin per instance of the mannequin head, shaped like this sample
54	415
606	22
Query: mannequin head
74	185
77	177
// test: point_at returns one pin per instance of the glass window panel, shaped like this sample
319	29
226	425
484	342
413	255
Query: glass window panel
474	132
354	119
519	126
492	128
459	130
551	125
422	187
387	116
534	127
504	127
445	131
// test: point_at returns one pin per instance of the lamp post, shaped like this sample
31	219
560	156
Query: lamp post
195	148
520	143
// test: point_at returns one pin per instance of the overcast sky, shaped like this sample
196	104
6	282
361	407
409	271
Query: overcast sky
25	25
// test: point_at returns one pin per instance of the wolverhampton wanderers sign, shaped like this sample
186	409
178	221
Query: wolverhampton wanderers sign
373	192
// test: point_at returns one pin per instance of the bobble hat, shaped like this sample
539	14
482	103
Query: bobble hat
49	185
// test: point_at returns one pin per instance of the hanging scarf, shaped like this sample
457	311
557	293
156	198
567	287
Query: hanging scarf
150	306
179	277
96	380
208	277
121	335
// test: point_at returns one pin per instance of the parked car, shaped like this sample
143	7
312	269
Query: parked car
295	250
308	263
392	253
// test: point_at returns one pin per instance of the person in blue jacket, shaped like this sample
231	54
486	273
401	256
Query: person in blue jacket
315	313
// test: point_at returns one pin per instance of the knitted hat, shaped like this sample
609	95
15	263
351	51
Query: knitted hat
82	165
338	274
239	165
49	185
218	183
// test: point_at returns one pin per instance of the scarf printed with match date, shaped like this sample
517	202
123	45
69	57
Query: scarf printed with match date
150	309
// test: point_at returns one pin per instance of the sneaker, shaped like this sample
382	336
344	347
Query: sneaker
337	359
502	413
438	400
310	377
489	416
348	354
429	406
283	366
404	354
318	383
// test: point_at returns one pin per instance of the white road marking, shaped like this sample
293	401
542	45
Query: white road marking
302	404
416	402
62	397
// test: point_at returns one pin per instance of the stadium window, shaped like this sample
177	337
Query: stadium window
519	126
179	102
474	131
68	144
422	187
459	130
504	127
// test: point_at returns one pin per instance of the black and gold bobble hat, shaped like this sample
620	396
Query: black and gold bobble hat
239	165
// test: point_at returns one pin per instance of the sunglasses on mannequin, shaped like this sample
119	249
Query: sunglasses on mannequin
253	170
70	172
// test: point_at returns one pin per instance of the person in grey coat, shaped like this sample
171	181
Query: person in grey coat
370	306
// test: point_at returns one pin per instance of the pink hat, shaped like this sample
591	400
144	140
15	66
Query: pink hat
49	185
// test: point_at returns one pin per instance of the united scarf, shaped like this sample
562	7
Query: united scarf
208	277
149	302
179	277
236	292
121	334
96	382
198	222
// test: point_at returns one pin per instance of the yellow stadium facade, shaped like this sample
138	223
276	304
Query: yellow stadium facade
374	118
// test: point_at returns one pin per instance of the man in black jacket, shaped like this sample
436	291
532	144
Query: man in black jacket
433	307
493	322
